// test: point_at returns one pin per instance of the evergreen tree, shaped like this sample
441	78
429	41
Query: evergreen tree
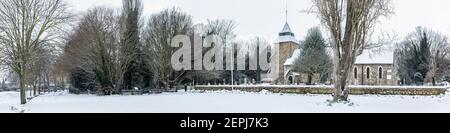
413	56
423	56
314	58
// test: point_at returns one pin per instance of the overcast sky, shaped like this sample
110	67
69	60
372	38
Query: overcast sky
266	17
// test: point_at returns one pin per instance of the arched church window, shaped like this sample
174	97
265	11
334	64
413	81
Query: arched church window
380	72
368	72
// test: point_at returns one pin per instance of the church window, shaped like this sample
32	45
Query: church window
380	72
368	72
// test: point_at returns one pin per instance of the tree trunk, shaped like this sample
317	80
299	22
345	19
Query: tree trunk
23	77
31	89
47	82
39	86
339	85
342	69
434	81
63	83
36	86
341	92
309	79
34	89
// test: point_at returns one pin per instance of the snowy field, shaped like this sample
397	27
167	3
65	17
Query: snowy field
222	102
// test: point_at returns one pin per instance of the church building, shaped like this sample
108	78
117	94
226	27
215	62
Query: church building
374	69
370	69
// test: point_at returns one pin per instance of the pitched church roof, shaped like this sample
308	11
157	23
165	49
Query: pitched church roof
294	57
286	35
368	57
286	29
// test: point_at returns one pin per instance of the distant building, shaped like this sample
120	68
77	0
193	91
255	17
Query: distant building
374	69
369	69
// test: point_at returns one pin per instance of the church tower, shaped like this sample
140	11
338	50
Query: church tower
287	45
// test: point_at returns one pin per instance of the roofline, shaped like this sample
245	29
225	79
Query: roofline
374	63
288	41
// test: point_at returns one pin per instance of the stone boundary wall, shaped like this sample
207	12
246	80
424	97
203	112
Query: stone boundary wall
354	90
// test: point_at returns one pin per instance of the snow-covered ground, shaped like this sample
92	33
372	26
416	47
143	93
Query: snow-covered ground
221	102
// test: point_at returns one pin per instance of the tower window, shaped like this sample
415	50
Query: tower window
380	72
355	73
368	72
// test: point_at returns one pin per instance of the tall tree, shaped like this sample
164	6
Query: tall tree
25	26
424	51
314	58
350	24
131	49
160	28
59	73
40	70
91	54
223	29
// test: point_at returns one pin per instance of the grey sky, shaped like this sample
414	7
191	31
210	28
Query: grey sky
266	17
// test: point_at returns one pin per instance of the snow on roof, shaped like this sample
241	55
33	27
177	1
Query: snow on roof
291	73
267	79
294	57
286	35
282	39
385	57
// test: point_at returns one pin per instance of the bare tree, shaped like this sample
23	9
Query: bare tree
350	23
225	30
93	49
131	53
59	73
160	28
26	25
40	70
440	51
